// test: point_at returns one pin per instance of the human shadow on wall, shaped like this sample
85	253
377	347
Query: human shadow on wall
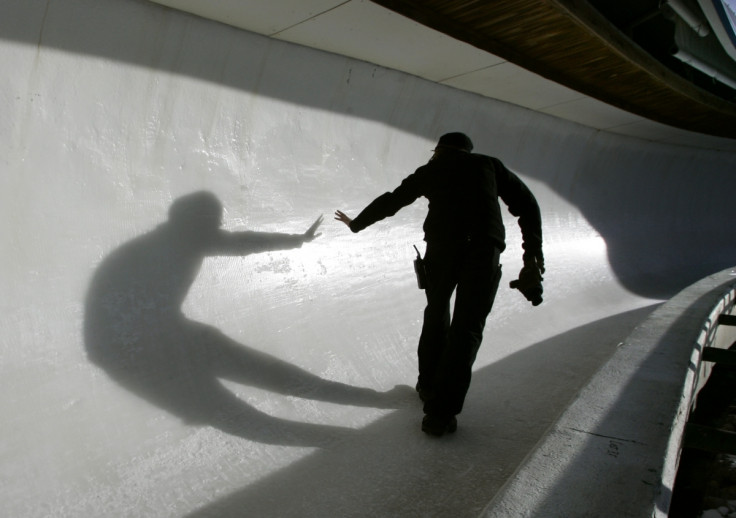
136	332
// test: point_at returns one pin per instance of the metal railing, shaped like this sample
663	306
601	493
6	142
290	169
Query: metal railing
721	351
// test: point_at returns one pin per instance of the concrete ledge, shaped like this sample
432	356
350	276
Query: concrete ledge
615	450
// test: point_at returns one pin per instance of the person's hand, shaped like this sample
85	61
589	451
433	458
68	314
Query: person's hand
310	235
530	279
341	216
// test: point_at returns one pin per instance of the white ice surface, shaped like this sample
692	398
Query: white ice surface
114	109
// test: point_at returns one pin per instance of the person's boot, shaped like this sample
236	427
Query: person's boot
438	425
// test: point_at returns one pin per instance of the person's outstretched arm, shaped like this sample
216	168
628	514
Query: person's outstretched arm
387	204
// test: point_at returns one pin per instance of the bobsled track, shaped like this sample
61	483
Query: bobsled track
148	369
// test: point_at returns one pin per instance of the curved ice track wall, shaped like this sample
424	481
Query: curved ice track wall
112	110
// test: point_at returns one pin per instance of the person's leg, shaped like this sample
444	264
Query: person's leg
436	325
478	283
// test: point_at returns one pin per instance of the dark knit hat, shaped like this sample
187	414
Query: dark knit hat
456	141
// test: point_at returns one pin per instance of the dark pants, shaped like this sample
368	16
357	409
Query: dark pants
448	345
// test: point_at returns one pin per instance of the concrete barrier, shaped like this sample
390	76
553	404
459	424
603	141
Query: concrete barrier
615	450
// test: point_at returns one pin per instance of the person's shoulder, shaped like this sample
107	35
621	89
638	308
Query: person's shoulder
481	156
485	160
424	169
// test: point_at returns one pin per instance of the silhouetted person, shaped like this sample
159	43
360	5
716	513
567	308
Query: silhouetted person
135	330
465	236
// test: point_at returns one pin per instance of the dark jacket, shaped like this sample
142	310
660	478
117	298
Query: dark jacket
463	190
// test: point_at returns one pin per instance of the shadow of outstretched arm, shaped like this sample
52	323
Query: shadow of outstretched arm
249	242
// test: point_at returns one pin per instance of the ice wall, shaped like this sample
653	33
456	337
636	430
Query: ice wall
150	369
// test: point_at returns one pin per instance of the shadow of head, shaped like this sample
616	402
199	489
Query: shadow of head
198	214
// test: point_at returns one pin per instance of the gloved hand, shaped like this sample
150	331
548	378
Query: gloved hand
530	279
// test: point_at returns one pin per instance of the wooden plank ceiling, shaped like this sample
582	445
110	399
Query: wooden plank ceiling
569	42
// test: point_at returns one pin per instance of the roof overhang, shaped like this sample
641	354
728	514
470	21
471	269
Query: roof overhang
559	57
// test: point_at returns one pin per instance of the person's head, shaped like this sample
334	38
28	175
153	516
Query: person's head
454	141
